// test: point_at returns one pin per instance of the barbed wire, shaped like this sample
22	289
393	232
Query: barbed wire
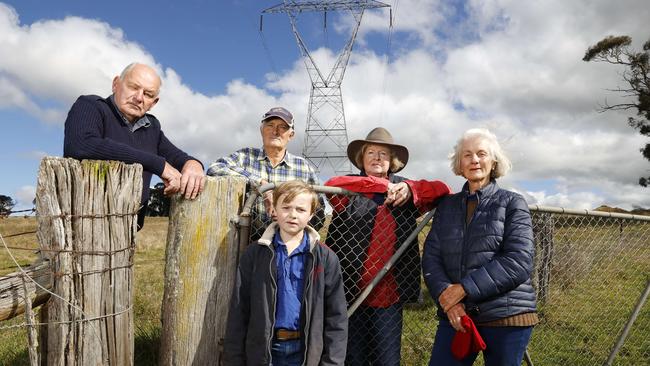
70	274
27	276
81	252
95	216
22	273
22	233
10	212
74	321
91	216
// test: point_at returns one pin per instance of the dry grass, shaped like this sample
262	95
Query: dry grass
594	289
23	246
149	269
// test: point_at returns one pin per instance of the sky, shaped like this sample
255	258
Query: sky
512	66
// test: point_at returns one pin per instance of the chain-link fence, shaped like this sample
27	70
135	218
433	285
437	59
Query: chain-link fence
591	270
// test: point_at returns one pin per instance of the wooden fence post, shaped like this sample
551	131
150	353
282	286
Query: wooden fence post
16	293
544	225
86	228
201	260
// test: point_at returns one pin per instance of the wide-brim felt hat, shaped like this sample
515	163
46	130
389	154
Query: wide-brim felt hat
378	136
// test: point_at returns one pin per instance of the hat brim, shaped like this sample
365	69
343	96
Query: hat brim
271	116
401	152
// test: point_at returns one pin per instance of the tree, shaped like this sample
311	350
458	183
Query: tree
6	204
158	202
617	51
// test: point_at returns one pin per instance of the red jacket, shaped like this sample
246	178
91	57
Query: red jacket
365	234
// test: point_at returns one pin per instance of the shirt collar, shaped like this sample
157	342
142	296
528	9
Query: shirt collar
302	248
286	160
142	122
486	191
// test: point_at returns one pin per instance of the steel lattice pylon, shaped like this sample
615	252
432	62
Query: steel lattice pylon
326	137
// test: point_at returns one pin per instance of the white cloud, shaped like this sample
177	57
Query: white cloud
514	67
578	200
24	197
35	155
82	55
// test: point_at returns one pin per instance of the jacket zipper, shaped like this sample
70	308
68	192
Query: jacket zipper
307	307
274	287
465	227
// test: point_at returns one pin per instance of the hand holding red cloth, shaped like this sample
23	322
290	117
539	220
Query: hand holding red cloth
467	342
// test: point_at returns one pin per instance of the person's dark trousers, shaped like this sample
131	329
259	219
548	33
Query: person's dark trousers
374	336
505	346
286	353
142	212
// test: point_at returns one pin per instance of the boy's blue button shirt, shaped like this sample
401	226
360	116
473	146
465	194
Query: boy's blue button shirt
290	274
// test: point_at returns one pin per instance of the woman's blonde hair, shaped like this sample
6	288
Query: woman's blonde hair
502	164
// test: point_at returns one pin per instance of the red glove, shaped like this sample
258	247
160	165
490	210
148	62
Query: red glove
469	342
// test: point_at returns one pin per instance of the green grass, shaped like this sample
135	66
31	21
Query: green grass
597	275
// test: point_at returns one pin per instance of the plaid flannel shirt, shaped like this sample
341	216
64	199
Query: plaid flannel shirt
253	164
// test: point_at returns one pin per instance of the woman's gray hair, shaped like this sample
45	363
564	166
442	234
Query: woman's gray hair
395	163
503	164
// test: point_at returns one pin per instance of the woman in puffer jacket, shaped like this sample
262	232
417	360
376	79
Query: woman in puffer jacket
478	259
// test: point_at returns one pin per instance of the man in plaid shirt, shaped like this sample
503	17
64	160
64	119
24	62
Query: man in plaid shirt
271	164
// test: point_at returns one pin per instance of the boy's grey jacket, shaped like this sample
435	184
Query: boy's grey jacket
251	319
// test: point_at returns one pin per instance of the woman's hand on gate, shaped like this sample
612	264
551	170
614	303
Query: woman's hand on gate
398	194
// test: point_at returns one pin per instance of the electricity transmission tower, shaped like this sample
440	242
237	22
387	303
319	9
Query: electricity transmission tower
326	137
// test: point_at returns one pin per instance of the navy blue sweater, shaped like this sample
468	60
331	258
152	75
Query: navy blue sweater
94	129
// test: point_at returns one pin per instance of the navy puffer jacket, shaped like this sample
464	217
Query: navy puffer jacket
491	257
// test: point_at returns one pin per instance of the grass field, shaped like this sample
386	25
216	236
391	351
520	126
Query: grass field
149	269
598	273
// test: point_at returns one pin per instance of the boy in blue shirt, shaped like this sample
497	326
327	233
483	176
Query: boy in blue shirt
288	306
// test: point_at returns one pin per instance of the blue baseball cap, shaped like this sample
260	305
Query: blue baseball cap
281	113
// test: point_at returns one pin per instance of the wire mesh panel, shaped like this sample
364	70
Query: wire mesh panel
589	275
590	272
365	234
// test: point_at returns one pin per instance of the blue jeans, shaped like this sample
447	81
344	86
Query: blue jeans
505	346
286	353
374	336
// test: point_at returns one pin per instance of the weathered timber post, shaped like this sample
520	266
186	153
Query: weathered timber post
544	226
86	228
201	261
15	293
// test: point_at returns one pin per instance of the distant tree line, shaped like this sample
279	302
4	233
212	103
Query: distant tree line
158	202
6	205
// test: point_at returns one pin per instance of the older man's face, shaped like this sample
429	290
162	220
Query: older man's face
137	92
276	134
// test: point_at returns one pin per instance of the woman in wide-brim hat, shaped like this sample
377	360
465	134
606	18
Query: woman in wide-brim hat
365	232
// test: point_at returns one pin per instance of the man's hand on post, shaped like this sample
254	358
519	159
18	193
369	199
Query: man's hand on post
171	178
192	179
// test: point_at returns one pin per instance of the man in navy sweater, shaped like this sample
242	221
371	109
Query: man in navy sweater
119	128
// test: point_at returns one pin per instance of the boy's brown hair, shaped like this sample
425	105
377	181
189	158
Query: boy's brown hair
293	188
